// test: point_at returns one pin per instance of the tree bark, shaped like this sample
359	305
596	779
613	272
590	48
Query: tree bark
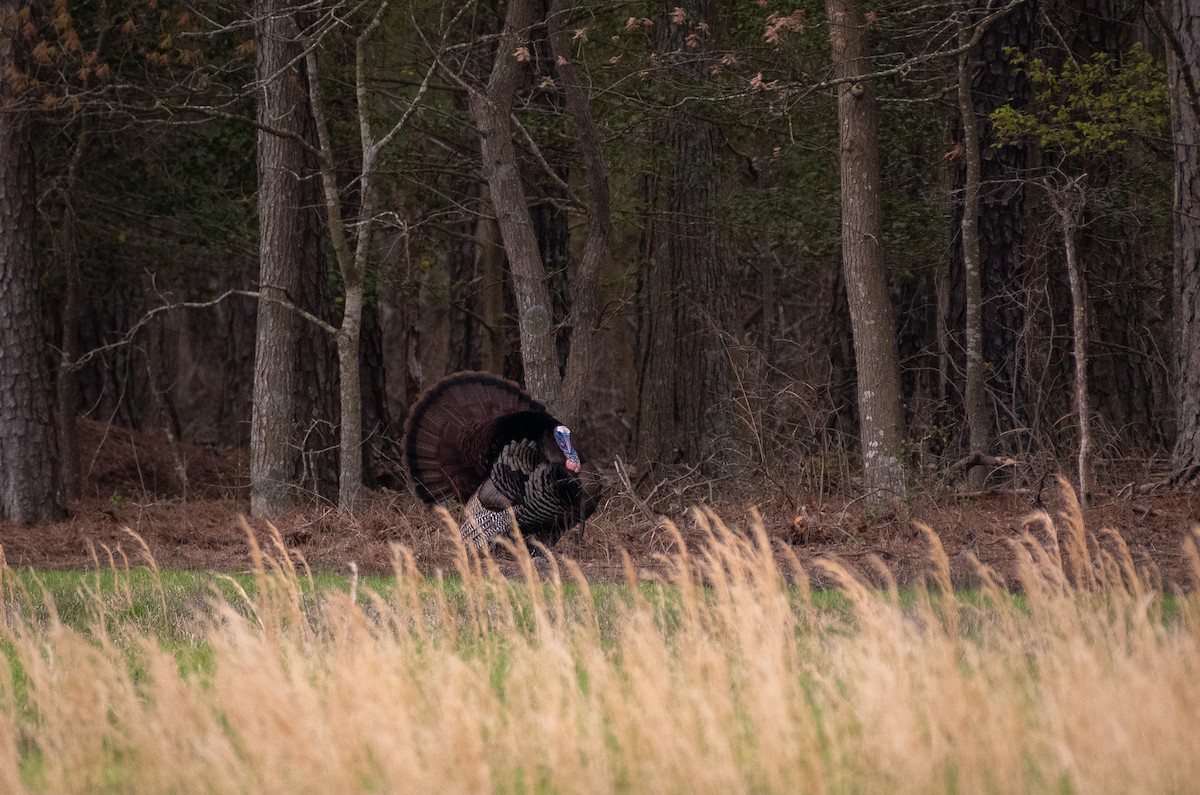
1000	221
350	469
1183	33
490	266
585	287
29	478
685	379
352	265
881	421
465	299
975	404
66	381
1068	203
1123	289
287	227
492	108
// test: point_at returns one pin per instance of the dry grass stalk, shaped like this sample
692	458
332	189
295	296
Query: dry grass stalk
725	675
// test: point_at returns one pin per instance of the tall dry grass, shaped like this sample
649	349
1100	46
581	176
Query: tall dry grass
729	675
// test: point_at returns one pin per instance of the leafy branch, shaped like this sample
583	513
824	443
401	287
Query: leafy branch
1086	107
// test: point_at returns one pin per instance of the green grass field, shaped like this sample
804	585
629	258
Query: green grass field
729	675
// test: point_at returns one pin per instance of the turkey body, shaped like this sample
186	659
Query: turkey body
483	441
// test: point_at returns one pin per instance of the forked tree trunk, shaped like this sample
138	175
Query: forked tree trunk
353	260
352	265
872	319
492	108
585	287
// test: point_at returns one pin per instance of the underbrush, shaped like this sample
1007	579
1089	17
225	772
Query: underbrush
726	674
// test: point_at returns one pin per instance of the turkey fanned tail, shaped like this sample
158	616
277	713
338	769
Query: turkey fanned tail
484	441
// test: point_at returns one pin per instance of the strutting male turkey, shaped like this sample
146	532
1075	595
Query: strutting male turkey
484	441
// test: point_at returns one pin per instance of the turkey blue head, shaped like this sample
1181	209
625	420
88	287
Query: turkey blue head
562	435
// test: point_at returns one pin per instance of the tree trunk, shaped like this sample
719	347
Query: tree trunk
1068	202
881	421
351	264
1123	288
1000	220
685	378
238	318
492	108
585	287
490	266
1183	32
287	226
464	301
974	400
29	484
67	384
350	469
379	442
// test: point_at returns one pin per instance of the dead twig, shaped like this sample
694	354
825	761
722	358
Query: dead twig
643	506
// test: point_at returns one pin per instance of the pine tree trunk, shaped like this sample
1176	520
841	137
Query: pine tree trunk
287	224
29	478
465	304
881	421
1002	212
1124	289
379	442
1184	36
686	381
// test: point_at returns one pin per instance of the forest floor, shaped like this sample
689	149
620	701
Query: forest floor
130	481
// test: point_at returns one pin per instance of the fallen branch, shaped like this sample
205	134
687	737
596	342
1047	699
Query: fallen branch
981	460
993	492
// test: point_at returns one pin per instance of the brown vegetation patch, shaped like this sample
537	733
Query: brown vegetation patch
131	481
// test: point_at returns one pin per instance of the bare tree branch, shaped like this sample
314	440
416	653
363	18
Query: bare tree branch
433	67
158	310
536	151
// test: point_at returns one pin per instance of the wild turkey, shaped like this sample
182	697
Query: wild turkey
484	441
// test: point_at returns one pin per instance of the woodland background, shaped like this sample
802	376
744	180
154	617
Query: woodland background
240	223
